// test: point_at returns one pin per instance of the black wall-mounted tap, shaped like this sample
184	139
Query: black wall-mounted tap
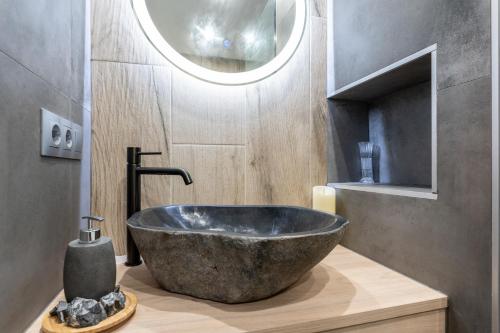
134	172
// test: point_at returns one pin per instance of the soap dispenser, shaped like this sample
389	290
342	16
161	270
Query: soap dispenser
89	264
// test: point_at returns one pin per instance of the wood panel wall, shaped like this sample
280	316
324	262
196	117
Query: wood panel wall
262	143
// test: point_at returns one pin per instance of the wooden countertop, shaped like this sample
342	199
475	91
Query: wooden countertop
345	289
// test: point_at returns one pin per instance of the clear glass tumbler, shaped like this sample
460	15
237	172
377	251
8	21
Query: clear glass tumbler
366	154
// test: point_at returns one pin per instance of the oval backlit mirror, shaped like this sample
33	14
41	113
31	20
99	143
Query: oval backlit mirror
224	41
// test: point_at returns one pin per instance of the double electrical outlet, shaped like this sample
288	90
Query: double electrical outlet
60	137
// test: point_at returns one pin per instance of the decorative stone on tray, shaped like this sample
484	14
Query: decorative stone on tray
113	302
61	311
82	312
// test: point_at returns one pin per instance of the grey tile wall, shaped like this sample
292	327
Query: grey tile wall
375	34
38	35
348	125
400	125
42	62
444	243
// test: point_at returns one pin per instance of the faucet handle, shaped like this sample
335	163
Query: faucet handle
134	154
149	153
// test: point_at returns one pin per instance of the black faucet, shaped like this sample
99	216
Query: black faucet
134	172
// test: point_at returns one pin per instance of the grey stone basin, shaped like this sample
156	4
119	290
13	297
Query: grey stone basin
233	254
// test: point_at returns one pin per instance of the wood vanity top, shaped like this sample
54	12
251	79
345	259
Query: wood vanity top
344	290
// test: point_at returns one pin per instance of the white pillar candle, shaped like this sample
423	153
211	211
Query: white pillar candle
324	198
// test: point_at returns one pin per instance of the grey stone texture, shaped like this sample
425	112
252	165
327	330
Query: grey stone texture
400	125
39	197
60	310
113	302
444	243
233	254
374	34
84	312
89	269
348	125
38	35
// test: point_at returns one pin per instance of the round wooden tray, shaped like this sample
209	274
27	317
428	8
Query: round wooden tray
50	324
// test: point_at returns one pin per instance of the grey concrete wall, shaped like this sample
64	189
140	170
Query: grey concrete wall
400	125
444	243
374	34
348	125
42	64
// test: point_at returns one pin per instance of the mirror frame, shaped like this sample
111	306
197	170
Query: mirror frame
154	36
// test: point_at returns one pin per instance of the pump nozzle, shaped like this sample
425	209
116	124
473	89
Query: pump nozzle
91	234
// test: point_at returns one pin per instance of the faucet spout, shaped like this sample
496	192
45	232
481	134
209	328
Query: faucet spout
166	171
134	172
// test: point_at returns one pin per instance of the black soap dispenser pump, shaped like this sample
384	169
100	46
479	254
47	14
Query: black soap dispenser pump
89	264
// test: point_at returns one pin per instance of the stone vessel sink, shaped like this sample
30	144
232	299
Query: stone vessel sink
233	254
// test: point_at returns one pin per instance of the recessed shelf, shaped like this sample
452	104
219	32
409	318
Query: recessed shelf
404	191
409	71
394	108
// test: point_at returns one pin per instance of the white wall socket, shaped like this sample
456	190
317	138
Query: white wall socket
60	137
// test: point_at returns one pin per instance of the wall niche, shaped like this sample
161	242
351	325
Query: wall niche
395	109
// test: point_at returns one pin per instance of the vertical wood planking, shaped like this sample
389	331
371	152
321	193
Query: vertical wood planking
206	113
319	107
117	35
278	130
218	174
126	112
253	144
156	136
318	8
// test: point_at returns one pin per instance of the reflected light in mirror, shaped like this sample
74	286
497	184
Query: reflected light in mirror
206	34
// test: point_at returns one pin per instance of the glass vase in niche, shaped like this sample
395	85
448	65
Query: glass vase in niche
366	155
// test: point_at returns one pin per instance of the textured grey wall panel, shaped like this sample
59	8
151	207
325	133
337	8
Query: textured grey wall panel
444	243
41	65
400	125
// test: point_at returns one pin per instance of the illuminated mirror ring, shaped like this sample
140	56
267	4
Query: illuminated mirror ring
227	78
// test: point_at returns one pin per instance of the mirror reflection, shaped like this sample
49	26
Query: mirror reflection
229	36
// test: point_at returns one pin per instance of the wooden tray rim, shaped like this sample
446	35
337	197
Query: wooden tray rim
50	324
